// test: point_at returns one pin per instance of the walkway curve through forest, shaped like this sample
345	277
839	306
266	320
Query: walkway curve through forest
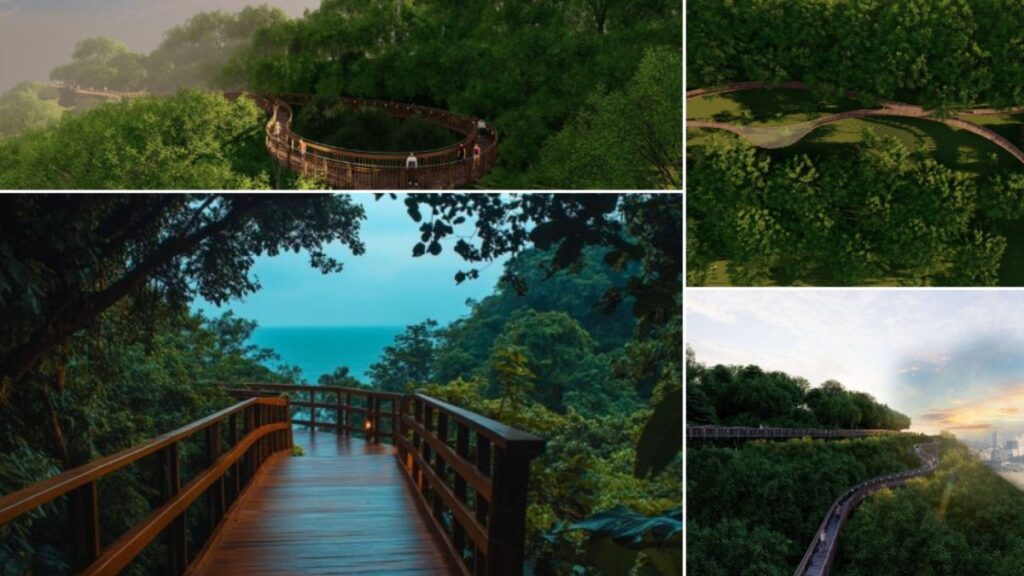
817	561
458	165
773	137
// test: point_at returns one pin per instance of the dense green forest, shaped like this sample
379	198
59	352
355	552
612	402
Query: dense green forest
753	509
580	343
950	523
875	214
937	207
584	93
943	54
749	396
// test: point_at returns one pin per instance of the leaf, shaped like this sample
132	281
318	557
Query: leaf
418	250
662	438
435	248
630	528
413	208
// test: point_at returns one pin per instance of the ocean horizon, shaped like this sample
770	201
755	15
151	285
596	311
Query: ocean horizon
319	350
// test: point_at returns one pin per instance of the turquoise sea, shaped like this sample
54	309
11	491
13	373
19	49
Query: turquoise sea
319	350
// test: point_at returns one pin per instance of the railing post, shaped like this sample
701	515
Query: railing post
84	511
483	464
215	494
312	410
462	449
376	418
439	464
235	468
177	541
288	419
506	527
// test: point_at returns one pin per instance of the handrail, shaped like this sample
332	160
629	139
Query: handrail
265	431
711	432
485	533
843	506
378	414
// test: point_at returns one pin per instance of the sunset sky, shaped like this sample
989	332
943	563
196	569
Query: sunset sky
951	360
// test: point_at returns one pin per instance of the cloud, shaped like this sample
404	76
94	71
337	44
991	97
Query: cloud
1001	405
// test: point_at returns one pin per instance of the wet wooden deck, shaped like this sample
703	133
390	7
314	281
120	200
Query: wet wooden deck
343	508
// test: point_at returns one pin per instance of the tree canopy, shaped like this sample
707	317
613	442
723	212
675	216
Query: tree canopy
941	54
865	214
749	396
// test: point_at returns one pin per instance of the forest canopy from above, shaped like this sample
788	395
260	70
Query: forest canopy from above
803	195
583	93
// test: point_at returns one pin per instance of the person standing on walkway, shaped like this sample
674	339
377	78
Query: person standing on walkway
476	156
461	154
481	127
412	163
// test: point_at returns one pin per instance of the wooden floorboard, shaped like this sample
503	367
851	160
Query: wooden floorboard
343	508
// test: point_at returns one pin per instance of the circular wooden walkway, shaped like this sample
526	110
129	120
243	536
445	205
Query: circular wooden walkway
459	165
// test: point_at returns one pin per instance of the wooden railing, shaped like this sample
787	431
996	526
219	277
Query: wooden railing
353	410
471	475
236	442
701	432
352	168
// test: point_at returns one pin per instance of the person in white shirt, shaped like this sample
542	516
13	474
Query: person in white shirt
481	127
412	163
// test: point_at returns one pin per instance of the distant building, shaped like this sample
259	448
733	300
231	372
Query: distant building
1012	445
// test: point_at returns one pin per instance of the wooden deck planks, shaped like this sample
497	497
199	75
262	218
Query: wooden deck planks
343	508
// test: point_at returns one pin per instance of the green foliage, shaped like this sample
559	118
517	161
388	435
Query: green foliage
749	396
868	214
753	509
341	377
512	376
409	361
192	140
64	260
27	107
941	54
193	55
626	139
103	63
952	522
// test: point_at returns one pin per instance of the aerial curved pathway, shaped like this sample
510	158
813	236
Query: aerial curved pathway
817	561
459	165
773	137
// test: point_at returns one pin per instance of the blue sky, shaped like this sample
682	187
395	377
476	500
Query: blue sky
951	359
386	286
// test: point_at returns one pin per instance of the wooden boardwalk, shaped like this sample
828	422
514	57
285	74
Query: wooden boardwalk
342	508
